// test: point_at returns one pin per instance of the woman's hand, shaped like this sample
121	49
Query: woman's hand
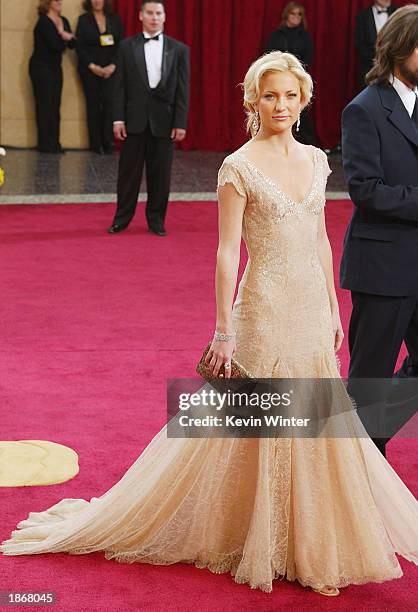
337	328
220	352
67	36
97	70
108	71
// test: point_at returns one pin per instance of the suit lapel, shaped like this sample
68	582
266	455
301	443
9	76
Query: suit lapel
398	115
139	55
167	61
372	24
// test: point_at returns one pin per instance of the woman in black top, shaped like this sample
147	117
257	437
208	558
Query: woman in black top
293	37
52	34
99	32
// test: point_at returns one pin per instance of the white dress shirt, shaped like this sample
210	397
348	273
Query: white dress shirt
379	18
153	51
407	95
154	58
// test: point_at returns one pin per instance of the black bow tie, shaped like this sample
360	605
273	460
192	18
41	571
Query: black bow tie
151	38
382	11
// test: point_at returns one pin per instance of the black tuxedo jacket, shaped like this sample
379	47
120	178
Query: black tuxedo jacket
165	107
365	37
380	158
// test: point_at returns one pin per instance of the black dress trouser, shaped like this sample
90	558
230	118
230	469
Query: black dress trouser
99	98
378	326
157	154
47	89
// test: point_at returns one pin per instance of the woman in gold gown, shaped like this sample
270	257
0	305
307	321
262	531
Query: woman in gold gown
326	511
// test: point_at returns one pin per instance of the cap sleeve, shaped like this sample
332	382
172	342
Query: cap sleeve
229	173
327	169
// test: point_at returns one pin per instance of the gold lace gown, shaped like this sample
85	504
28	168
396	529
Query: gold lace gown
317	510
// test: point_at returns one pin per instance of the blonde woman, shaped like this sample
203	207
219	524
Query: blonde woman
327	512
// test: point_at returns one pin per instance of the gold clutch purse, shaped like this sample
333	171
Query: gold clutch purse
205	370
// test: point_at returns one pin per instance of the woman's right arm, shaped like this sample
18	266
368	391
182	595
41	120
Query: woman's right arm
81	43
231	211
46	28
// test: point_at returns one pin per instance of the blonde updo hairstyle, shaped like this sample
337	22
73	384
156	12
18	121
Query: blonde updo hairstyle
276	61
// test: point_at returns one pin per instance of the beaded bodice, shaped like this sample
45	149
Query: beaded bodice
266	202
280	234
283	287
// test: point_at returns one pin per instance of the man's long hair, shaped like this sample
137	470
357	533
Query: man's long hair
395	42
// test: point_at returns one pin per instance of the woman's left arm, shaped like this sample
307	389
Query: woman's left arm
118	33
325	257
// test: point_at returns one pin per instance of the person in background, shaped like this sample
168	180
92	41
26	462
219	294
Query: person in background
52	35
99	32
292	36
379	264
150	114
368	23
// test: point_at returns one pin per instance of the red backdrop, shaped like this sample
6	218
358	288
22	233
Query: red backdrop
225	36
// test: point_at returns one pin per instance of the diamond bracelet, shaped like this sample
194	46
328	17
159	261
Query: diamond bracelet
223	337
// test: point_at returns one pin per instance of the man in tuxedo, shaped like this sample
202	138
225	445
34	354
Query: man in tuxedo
368	23
380	157
150	115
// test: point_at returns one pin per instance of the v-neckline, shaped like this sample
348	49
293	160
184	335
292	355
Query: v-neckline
97	25
277	186
53	22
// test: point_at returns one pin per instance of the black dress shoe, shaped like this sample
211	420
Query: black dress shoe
158	231
116	228
108	149
407	370
98	150
54	151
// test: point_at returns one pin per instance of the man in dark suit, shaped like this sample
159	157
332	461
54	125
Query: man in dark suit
368	23
380	158
150	113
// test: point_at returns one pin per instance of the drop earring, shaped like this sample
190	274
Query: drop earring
298	123
256	123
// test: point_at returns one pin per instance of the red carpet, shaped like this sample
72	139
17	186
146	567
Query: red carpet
92	326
